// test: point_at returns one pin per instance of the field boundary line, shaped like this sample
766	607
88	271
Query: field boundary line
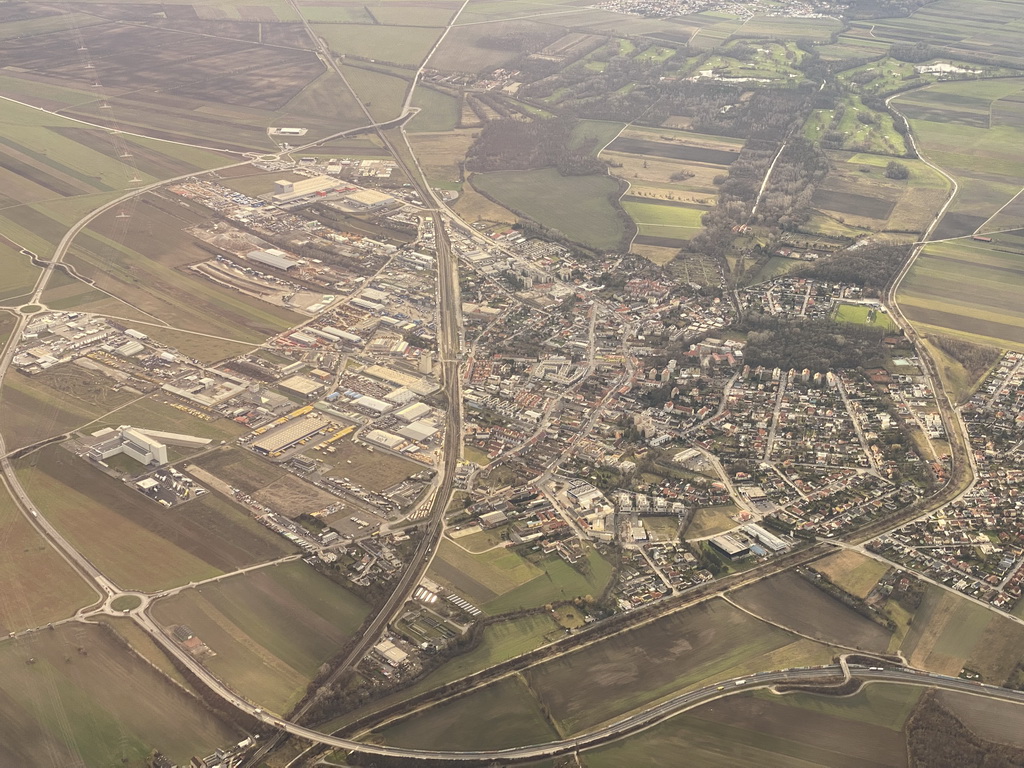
108	129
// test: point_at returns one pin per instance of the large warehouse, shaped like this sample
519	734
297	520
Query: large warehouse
285	191
287	435
272	258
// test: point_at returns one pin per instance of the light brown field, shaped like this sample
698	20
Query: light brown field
852	571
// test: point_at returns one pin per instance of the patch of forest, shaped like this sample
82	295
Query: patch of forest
814	343
937	739
514	145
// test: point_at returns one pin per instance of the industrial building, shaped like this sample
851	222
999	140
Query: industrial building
420	431
287	435
765	538
370	199
730	546
146	446
272	257
286	191
303	386
413	412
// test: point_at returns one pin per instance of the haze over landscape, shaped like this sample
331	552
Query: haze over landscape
553	383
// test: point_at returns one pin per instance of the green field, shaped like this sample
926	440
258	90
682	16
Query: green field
581	207
501	641
500	580
85	700
39	586
858	314
987	27
405	46
270	629
948	632
501	715
133	540
664	220
704	644
19	276
969	288
438	111
793	731
381	94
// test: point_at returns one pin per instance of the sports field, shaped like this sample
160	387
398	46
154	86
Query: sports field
858	314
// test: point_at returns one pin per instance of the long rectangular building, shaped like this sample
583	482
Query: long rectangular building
287	435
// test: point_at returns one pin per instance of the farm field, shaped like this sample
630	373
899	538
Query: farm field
270	629
438	111
581	207
468	48
135	541
441	155
989	719
970	289
501	641
968	129
142	262
64	398
671	176
708	521
54	171
793	731
500	580
991	28
900	206
789	600
404	46
19	275
853	572
218	91
663	220
700	645
503	714
382	94
949	633
86	700
40	587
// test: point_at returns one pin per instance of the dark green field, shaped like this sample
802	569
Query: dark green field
579	206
